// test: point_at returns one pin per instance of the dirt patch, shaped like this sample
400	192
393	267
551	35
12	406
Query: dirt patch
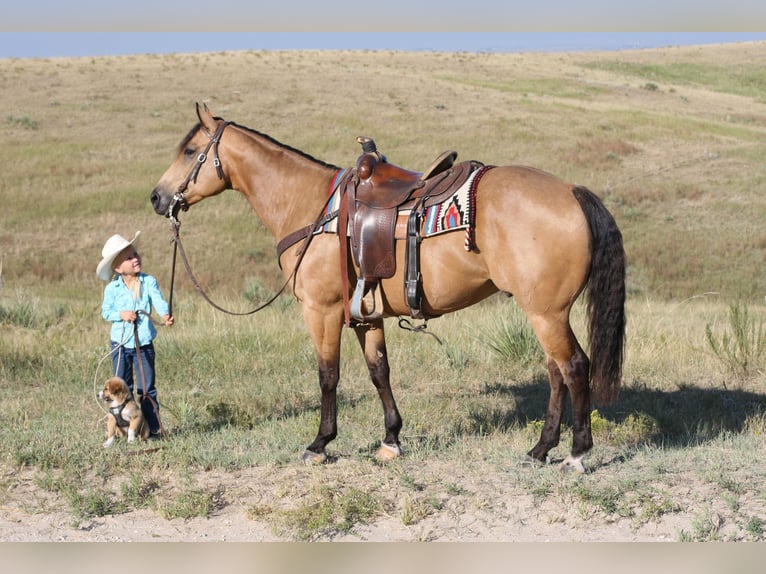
487	507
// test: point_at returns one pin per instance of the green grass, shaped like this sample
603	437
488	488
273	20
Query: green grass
734	79
513	340
251	407
556	87
329	511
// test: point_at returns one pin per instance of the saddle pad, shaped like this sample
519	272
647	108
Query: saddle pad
333	205
451	214
454	213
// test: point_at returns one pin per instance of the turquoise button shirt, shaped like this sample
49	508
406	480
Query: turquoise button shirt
117	297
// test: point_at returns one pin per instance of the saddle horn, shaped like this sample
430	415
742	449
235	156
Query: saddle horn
368	144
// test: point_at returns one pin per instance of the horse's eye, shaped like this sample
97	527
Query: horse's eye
189	152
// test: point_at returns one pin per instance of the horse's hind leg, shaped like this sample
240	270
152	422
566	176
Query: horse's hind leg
576	376
372	339
551	433
568	373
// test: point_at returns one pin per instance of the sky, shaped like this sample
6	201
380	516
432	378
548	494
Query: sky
77	44
51	28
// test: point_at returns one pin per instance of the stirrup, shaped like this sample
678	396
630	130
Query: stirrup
356	307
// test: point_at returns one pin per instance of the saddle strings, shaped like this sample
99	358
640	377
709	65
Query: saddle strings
422	329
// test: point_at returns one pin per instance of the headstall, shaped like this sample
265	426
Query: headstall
179	201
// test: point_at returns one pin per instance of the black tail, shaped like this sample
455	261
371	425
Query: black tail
606	299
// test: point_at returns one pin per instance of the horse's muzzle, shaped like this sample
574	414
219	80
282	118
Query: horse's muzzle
160	202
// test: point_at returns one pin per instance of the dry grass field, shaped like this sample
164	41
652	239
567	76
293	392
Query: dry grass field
672	139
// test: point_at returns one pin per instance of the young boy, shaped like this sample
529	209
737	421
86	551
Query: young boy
129	297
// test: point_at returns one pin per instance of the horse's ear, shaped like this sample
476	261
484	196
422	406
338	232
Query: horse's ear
206	117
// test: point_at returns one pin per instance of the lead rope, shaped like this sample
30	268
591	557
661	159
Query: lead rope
143	395
172	277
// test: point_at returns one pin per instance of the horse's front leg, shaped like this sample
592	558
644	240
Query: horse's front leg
325	333
373	341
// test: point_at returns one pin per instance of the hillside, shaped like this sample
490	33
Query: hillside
671	138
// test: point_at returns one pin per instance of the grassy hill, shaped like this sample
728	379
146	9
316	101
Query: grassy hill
672	139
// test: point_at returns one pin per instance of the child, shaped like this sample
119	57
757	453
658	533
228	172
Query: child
129	298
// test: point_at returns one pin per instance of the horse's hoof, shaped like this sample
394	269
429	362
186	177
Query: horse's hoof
572	464
388	452
311	457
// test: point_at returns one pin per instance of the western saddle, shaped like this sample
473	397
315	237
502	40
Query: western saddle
380	204
375	197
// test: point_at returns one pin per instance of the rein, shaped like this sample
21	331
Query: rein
179	203
179	248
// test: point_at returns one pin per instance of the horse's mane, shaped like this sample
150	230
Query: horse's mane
284	146
267	137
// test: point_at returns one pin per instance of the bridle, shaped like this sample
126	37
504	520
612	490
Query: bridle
179	201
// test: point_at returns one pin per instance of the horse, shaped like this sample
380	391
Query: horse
537	238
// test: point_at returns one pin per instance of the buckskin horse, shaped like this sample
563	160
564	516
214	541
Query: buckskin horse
534	237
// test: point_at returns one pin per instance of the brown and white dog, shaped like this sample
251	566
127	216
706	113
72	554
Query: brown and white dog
125	417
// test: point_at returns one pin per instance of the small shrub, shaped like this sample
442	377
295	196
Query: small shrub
514	339
24	121
743	348
20	314
414	510
706	527
330	512
193	503
607	499
637	429
23	312
457	357
139	493
256	293
755	527
94	501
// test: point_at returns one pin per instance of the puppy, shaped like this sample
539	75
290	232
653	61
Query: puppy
125	417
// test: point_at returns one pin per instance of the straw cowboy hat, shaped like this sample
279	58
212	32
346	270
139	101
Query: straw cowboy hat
112	248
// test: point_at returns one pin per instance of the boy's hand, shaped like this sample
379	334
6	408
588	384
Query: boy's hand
169	320
129	316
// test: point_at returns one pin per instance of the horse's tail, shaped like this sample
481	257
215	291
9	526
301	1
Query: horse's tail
605	299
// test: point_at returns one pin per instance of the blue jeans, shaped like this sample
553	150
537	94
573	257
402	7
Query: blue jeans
126	366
